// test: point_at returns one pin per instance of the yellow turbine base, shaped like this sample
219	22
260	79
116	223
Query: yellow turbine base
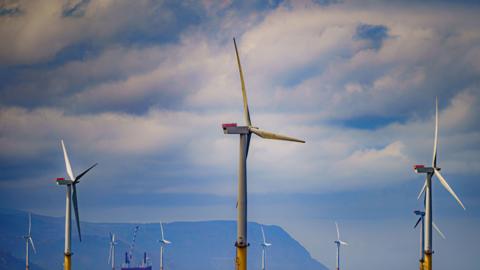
421	265
241	258
427	264
67	262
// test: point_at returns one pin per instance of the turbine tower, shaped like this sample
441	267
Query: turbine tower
28	240
264	250
245	133
111	254
339	242
70	183
421	220
163	243
427	189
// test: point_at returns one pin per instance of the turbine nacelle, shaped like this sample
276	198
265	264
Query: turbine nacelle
423	169
419	213
63	181
232	128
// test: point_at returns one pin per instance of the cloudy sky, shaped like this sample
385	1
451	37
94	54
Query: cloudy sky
142	87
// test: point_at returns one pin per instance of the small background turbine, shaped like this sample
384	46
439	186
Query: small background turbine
338	243
264	249
28	241
163	242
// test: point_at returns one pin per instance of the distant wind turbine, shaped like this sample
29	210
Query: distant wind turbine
264	250
245	133
111	254
421	220
427	189
163	243
29	240
339	242
71	183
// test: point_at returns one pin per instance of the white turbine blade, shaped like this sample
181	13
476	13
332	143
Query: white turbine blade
161	229
67	162
447	187
29	223
33	246
246	112
422	190
110	254
338	231
263	235
343	243
167	242
273	136
435	143
438	230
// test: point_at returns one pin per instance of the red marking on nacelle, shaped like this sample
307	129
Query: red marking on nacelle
229	125
60	179
418	166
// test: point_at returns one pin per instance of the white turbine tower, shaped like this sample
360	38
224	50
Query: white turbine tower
28	241
421	220
111	254
163	242
264	250
427	189
338	243
245	133
71	183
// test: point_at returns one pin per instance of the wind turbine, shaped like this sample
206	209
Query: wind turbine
421	220
427	189
264	250
163	243
339	242
111	254
245	133
71	183
29	240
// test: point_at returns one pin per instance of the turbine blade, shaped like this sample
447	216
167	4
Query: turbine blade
109	254
246	112
67	162
111	237
273	136
161	228
422	190
33	246
75	208
263	235
447	187
435	142
438	230
29	223
249	136
418	221
83	173
338	231
343	243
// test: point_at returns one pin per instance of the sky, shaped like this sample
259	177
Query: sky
142	87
